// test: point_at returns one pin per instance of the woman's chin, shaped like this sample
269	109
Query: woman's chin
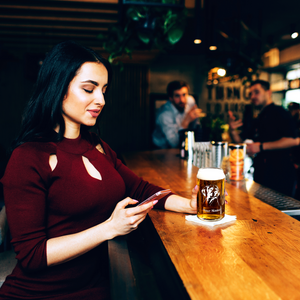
90	122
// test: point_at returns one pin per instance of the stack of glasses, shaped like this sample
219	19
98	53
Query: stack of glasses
211	154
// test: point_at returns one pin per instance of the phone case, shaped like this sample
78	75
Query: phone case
156	196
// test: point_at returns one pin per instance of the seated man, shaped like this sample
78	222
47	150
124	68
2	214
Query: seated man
179	113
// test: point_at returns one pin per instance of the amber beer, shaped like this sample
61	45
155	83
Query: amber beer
211	195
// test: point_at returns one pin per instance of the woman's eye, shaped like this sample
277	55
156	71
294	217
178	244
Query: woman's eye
88	91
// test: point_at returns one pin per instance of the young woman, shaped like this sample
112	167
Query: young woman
66	193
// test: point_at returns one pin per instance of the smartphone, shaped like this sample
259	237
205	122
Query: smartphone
156	196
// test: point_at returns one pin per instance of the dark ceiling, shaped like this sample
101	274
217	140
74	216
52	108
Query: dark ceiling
248	28
39	23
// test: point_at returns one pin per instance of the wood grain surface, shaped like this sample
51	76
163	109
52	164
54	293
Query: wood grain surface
255	257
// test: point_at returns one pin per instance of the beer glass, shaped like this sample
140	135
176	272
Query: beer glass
211	195
237	154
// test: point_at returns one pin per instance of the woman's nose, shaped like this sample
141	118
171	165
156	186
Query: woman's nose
99	99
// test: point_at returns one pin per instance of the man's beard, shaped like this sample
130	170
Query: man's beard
259	107
180	108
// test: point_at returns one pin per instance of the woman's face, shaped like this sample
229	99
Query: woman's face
85	97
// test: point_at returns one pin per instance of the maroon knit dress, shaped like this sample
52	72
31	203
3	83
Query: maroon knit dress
42	204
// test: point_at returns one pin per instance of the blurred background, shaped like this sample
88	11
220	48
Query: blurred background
216	46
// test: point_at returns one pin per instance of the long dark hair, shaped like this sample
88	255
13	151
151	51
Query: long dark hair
44	110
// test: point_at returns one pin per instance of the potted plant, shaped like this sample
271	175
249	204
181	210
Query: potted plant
145	27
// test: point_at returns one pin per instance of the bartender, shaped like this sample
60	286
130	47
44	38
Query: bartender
274	134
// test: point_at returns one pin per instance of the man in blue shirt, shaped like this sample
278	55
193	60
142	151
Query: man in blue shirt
178	114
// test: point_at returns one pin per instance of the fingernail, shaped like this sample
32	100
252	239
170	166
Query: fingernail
155	201
195	187
135	200
226	202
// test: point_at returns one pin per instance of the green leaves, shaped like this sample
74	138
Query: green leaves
144	37
174	35
145	26
134	14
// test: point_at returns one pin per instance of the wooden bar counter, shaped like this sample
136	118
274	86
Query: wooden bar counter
255	257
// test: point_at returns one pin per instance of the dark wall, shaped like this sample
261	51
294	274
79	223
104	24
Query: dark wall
124	122
16	85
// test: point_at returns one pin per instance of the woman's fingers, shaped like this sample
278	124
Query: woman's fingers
122	204
195	191
142	209
193	201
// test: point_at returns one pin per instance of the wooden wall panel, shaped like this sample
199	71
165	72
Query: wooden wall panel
125	120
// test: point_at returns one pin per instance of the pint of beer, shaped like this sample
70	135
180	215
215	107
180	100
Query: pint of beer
211	195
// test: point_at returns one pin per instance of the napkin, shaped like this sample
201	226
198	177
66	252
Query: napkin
226	219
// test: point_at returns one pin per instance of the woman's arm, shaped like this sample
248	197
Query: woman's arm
181	204
122	221
139	189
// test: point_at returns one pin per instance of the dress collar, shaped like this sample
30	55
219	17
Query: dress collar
74	146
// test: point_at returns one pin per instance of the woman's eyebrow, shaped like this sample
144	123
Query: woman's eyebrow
91	81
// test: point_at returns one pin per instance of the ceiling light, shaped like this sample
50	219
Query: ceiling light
221	72
197	41
294	35
212	48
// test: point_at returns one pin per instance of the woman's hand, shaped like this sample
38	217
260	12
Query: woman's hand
124	220
184	205
193	202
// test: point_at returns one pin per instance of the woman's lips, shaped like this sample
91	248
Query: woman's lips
95	113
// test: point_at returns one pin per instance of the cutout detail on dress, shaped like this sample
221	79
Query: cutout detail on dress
100	149
52	161
92	171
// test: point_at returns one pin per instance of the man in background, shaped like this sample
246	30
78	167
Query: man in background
273	136
294	109
178	114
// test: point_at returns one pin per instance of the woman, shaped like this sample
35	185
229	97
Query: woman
66	193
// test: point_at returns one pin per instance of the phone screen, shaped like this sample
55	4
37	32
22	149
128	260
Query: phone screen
156	196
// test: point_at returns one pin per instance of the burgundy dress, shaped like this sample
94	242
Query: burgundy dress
42	204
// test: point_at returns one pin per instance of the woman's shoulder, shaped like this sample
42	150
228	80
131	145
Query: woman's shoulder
35	150
29	160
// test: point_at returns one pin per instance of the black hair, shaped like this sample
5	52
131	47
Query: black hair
175	85
44	110
264	84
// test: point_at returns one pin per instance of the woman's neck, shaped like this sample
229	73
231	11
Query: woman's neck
71	132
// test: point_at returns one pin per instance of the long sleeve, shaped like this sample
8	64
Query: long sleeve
170	128
25	196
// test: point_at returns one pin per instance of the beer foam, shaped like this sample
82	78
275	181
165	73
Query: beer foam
210	174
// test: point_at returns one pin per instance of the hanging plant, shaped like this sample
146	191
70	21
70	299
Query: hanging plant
145	27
